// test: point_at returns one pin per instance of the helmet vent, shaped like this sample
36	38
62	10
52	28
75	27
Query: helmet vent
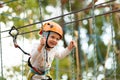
48	23
51	26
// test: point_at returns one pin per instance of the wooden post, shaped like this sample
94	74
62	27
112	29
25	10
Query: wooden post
77	58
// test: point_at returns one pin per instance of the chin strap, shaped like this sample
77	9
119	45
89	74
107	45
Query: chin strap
46	35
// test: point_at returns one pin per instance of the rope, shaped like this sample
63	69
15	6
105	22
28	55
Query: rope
24	10
41	16
23	60
68	14
1	54
57	69
45	51
113	11
8	2
72	55
94	41
112	33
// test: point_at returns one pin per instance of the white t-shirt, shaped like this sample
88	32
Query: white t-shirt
43	60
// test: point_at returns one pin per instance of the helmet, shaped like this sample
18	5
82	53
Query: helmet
52	26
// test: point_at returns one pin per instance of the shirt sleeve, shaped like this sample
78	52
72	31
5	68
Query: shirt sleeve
34	52
62	52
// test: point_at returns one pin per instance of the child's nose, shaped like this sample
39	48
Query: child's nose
55	40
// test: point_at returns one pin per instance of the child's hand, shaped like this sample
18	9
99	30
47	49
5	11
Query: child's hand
42	41
72	45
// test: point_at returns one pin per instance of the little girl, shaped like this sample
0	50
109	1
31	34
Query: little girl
43	54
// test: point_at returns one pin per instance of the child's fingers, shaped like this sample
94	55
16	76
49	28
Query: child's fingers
73	44
43	40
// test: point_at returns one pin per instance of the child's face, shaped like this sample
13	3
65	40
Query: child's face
53	39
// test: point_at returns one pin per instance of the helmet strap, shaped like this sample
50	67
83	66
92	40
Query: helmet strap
47	36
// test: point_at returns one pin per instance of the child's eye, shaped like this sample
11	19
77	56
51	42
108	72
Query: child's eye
52	37
57	39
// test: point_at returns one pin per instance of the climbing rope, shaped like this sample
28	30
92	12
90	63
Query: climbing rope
24	11
22	71
41	16
66	15
1	54
17	46
95	39
43	35
112	37
72	55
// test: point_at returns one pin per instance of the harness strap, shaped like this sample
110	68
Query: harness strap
17	46
31	74
33	69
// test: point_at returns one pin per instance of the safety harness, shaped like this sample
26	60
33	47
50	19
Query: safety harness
33	69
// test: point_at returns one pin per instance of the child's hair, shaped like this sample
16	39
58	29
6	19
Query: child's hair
52	27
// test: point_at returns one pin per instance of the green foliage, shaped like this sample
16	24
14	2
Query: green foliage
1	78
62	66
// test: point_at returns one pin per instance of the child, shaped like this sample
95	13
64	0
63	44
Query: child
44	53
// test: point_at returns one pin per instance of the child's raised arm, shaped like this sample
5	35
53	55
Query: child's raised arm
71	45
42	43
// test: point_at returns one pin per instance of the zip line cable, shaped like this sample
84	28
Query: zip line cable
113	11
61	16
94	40
8	2
69	22
98	5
